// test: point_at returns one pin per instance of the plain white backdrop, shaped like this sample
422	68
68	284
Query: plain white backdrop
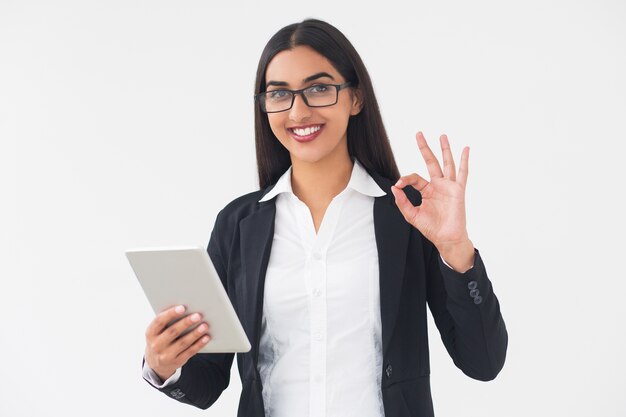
130	123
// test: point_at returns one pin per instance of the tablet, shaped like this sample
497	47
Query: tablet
186	275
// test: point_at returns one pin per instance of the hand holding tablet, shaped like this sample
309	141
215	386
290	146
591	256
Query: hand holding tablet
205	321
166	349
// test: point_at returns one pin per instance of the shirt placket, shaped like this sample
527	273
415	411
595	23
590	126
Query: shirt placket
317	400
316	246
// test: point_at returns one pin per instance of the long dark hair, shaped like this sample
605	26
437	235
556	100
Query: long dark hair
367	138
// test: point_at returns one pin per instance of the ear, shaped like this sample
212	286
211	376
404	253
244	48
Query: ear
357	102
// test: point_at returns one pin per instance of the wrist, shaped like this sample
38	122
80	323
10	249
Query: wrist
460	256
164	375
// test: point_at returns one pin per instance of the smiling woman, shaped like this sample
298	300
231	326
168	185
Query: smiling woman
326	57
332	263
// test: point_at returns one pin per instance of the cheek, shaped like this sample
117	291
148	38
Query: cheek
337	121
277	124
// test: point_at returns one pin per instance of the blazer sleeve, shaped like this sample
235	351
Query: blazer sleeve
205	375
467	314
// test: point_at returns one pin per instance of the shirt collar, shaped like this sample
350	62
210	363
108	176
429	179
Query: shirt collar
360	181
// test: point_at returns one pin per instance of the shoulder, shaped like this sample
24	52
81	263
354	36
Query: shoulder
240	208
243	203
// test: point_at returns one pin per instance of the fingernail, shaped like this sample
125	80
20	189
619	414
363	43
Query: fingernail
195	317
180	309
205	339
398	183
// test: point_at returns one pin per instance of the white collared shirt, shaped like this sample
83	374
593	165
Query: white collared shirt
321	346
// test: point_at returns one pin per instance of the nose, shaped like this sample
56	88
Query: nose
299	111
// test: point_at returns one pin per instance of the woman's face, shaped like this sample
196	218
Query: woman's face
293	67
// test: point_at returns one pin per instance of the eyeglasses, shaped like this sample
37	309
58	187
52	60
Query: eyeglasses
318	95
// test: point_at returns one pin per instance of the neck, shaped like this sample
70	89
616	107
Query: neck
319	182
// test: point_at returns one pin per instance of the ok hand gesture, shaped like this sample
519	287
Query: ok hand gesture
441	215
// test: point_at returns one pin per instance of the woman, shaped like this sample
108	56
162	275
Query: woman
331	263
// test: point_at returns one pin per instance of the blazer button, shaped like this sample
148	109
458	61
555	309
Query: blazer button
388	371
177	394
478	299
474	293
472	285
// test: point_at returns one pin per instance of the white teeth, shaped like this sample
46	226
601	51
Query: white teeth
307	131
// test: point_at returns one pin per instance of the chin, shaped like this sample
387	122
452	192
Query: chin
307	157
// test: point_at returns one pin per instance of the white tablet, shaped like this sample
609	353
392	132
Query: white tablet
173	276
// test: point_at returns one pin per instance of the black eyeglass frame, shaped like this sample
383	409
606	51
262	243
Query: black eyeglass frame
338	87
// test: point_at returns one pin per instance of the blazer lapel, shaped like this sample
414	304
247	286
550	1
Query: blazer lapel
256	236
392	237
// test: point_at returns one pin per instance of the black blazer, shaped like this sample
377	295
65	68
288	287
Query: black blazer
464	307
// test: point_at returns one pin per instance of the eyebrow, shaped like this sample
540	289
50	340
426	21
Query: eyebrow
306	80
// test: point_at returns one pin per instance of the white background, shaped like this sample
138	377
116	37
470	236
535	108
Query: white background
130	123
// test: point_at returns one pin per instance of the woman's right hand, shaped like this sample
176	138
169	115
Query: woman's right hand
165	351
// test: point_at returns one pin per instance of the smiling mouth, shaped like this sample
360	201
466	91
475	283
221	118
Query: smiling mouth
305	132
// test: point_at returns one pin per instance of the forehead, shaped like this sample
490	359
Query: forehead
294	65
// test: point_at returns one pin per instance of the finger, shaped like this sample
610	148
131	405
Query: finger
162	319
448	161
464	166
417	181
434	169
407	208
174	331
184	342
193	349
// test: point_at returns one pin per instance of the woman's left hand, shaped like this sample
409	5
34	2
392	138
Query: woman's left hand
441	215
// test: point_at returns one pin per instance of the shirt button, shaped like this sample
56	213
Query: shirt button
317	336
316	292
317	379
317	256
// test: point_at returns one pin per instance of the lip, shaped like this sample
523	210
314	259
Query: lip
308	138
